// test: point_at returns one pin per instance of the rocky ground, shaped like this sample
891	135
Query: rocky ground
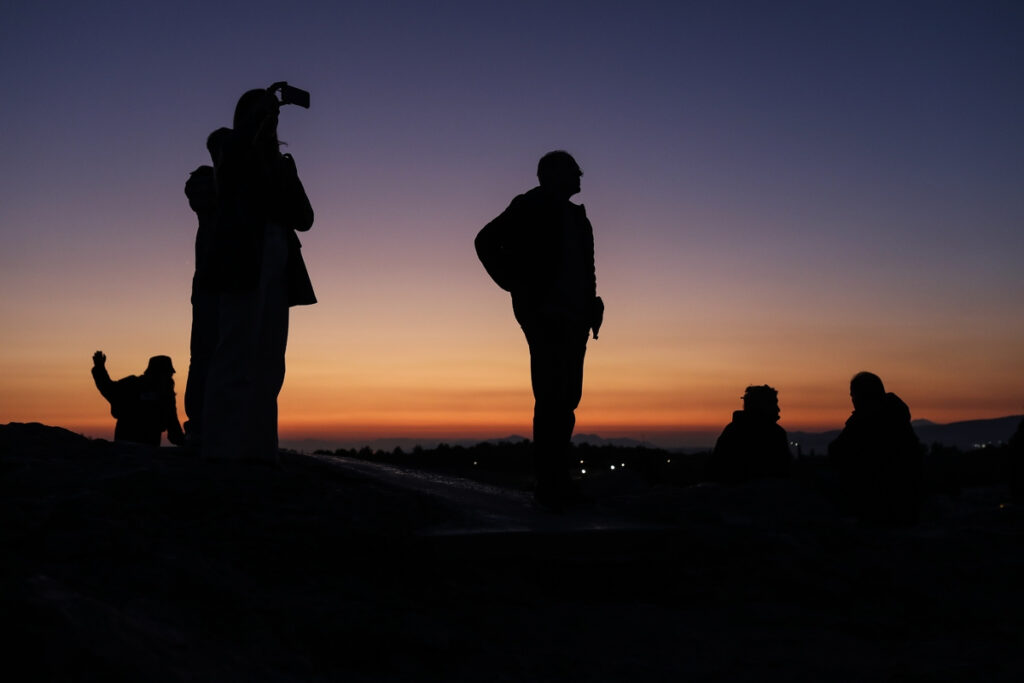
144	564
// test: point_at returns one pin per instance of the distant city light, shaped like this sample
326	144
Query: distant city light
583	471
613	467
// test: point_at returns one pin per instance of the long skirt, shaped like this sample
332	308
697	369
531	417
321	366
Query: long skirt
247	370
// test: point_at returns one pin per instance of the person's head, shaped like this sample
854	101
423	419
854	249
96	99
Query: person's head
160	366
216	140
761	402
559	173
866	390
256	114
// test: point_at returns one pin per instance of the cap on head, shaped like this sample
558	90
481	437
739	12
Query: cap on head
160	365
761	400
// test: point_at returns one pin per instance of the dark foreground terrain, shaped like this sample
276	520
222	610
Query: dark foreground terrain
144	564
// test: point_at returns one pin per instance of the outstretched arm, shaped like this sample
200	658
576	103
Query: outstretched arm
101	376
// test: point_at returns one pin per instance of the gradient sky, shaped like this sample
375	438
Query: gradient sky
781	193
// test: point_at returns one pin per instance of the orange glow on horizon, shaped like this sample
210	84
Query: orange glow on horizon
459	368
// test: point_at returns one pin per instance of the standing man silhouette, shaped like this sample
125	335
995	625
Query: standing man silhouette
541	250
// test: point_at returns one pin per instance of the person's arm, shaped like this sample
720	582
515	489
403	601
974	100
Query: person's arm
170	418
716	467
597	315
101	376
783	457
174	432
293	207
597	305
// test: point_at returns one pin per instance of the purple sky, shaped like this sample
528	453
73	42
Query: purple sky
781	192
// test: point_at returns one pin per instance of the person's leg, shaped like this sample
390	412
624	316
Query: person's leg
272	342
202	343
556	372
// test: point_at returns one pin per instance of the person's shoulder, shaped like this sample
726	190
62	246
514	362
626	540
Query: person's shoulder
737	426
895	408
200	182
526	204
534	197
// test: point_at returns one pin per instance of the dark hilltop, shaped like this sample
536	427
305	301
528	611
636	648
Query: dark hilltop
138	563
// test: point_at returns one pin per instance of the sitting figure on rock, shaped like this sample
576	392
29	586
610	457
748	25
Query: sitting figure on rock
878	456
753	445
143	406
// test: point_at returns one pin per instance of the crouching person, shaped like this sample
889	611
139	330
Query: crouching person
143	405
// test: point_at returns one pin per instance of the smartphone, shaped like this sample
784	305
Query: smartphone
293	95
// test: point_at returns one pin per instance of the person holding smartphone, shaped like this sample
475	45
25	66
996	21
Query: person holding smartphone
258	273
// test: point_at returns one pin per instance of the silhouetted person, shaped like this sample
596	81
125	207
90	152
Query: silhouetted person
1016	449
258	272
541	250
878	455
201	190
142	405
753	445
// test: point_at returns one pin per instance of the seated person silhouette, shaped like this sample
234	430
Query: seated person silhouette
753	445
1017	464
143	405
878	456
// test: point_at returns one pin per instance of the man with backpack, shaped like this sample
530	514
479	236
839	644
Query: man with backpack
541	250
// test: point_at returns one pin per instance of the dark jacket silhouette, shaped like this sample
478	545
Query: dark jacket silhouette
750	447
527	253
143	405
880	462
201	191
255	189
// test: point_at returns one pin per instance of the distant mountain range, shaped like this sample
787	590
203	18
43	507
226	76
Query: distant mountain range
963	435
310	444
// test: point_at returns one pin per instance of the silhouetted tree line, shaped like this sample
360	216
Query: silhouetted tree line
948	470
